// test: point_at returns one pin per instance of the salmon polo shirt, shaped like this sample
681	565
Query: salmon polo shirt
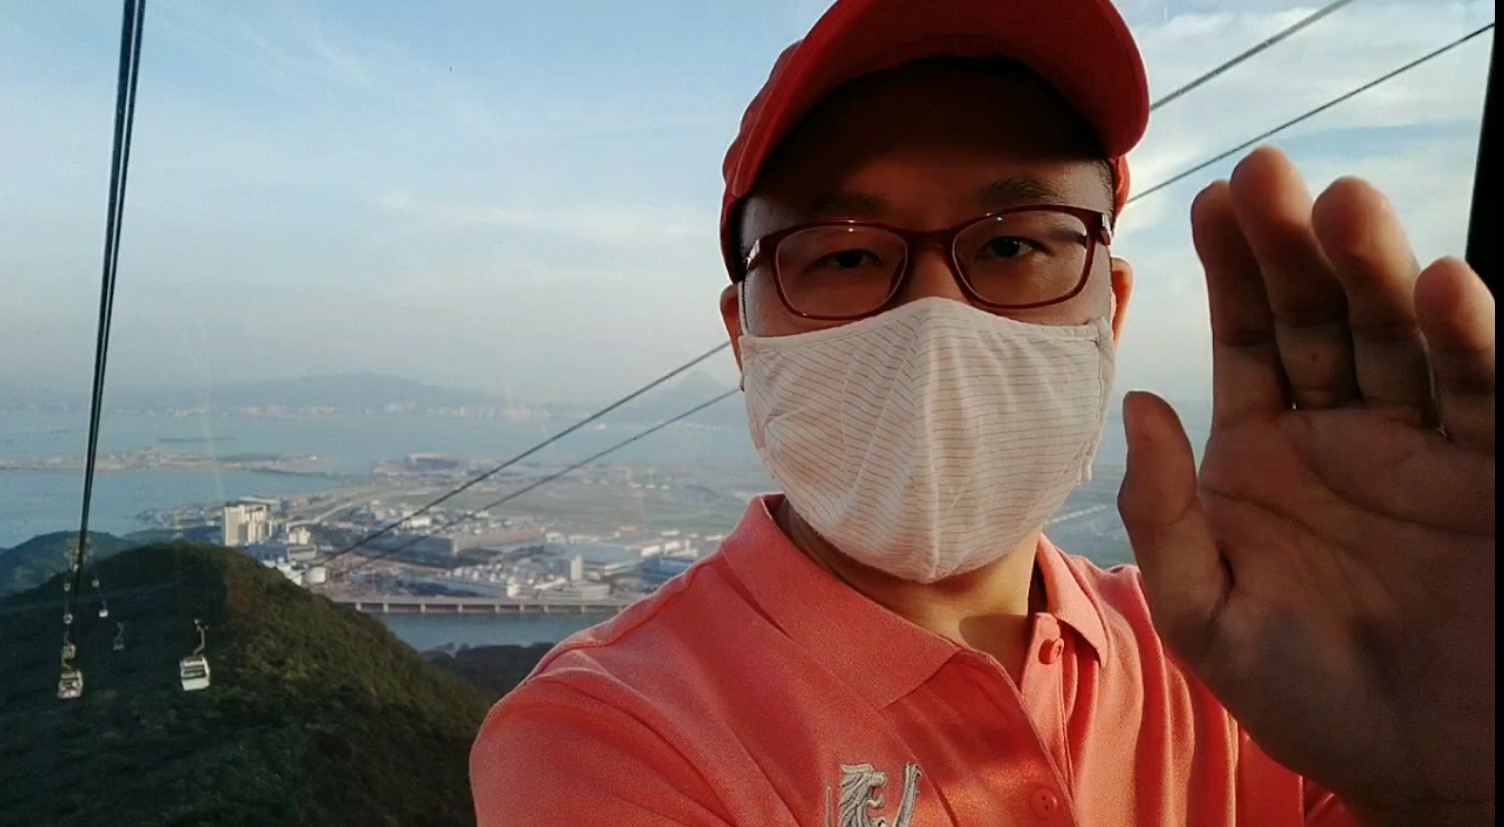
757	689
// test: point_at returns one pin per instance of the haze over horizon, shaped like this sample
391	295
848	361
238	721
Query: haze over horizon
277	390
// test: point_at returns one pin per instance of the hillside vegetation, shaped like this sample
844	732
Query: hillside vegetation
316	715
31	563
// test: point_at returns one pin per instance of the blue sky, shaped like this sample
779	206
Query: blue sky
522	196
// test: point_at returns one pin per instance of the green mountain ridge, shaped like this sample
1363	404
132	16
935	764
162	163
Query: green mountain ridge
31	563
316	714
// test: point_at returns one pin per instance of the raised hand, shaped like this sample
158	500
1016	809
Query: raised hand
1329	573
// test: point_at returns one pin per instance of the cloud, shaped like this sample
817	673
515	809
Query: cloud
1415	138
1334	56
601	227
317	194
280	44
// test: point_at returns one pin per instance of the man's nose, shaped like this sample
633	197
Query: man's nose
931	275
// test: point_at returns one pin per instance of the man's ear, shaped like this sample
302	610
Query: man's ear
731	316
1122	288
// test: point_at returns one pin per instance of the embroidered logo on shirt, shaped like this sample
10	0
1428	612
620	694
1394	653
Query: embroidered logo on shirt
862	797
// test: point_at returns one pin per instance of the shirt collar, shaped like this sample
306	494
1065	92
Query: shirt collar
880	654
1070	599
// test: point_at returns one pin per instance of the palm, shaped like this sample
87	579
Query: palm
1329	583
1329	572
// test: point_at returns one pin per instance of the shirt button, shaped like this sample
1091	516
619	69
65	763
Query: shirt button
1051	652
1044	802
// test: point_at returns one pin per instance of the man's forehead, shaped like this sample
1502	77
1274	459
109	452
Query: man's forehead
911	193
995	194
989	134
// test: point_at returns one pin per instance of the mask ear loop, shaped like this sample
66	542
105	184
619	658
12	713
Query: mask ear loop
1107	357
741	310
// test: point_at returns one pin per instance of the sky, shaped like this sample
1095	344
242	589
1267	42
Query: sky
521	197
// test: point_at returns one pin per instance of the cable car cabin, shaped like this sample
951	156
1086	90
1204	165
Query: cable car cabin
194	670
70	685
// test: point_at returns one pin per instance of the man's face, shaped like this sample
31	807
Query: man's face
926	147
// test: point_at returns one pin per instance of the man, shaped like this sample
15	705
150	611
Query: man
919	213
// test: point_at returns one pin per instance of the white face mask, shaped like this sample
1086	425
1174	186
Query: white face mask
930	439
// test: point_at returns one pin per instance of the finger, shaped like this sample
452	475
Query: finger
1366	245
1247	380
1184	576
1310	311
1456	313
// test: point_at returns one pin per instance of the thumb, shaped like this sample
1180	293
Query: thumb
1183	572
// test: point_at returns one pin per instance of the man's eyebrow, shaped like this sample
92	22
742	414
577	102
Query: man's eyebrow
1016	191
1004	192
848	205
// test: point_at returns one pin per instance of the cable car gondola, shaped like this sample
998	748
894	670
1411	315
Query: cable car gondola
70	683
193	670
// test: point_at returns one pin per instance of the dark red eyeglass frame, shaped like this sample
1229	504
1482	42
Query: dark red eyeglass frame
1098	228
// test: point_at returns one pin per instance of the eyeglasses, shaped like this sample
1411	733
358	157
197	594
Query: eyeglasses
1012	259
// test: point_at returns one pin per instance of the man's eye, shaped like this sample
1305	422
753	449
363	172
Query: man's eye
849	260
1007	247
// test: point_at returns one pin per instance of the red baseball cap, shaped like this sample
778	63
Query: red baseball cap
1082	48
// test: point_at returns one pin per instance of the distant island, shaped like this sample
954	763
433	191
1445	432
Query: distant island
338	392
152	460
369	394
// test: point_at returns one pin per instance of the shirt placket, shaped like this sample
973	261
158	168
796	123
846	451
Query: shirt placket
1032	708
1040	688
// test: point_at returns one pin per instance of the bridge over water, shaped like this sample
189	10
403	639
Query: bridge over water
408	604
